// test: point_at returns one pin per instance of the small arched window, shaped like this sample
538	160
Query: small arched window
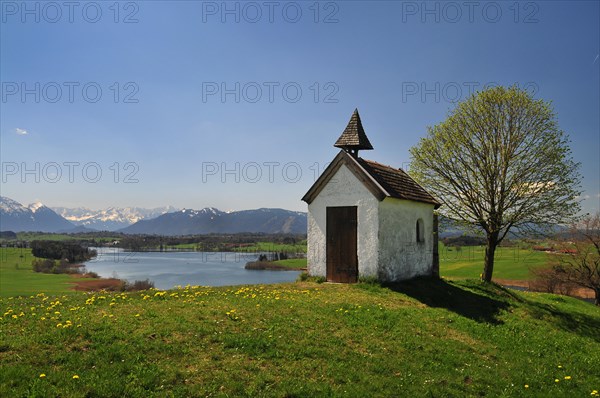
420	231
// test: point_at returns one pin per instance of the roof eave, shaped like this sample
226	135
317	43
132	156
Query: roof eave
343	158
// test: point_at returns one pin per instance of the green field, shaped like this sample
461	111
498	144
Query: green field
510	262
421	338
294	263
17	277
274	247
29	236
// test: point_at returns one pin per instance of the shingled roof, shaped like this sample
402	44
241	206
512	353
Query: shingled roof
383	181
354	136
397	183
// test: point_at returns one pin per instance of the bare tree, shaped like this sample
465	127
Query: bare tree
499	162
579	262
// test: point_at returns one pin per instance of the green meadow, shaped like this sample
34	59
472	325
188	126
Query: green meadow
418	338
421	338
17	277
292	263
510	262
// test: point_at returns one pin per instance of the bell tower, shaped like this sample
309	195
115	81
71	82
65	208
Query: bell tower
353	138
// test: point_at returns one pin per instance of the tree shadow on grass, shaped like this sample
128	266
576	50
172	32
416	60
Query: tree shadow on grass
574	322
484	302
439	293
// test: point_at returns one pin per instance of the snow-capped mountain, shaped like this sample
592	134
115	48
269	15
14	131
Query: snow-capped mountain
211	220
160	221
35	217
112	218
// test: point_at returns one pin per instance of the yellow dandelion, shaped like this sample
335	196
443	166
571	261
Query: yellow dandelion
526	385
42	375
75	376
560	366
556	380
567	377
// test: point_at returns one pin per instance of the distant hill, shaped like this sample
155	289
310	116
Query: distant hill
211	220
35	217
8	235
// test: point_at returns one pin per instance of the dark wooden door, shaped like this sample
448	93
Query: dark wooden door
342	257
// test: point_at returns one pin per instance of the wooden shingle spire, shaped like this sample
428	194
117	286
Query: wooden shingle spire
353	138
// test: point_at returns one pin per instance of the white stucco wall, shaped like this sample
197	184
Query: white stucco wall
344	189
400	255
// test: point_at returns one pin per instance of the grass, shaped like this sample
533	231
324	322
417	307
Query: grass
273	247
422	338
29	236
293	263
17	277
510	262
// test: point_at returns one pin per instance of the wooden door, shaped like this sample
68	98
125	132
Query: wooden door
342	256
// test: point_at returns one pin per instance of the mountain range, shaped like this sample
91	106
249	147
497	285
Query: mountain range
110	219
134	220
211	220
35	217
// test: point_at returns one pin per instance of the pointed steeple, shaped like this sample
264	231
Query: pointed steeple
353	138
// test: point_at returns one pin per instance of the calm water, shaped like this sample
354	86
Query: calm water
170	269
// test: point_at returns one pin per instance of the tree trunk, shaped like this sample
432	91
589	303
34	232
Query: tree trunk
597	299
490	250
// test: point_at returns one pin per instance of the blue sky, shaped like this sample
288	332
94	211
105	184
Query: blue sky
237	105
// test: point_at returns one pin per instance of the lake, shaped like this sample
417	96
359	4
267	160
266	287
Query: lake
170	269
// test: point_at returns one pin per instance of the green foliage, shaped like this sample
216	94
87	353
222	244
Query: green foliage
500	162
59	250
419	338
463	240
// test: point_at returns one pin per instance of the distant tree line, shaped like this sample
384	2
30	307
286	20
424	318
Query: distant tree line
72	252
464	240
208	243
49	266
